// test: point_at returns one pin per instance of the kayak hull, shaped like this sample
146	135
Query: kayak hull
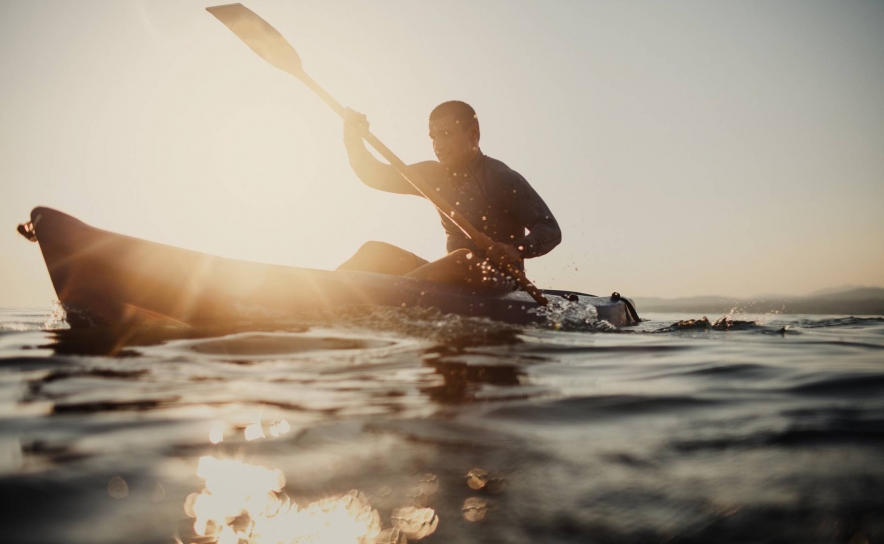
104	277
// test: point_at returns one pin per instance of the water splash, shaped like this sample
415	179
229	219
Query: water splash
564	315
724	323
244	502
57	320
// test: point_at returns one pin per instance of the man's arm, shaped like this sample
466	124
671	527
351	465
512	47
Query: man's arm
371	171
532	212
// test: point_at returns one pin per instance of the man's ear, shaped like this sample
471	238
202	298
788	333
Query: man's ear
475	133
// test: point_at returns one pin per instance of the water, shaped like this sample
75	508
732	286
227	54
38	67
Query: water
752	429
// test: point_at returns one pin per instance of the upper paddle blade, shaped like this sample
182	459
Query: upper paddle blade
259	36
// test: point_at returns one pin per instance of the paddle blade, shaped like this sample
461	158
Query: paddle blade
262	38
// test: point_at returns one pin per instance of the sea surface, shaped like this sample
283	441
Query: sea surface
387	425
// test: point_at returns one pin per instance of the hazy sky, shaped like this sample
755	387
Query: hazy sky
686	148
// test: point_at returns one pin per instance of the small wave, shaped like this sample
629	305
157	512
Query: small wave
838	322
746	371
852	386
111	406
836	432
14	320
421	323
583	408
117	341
106	373
725	323
273	344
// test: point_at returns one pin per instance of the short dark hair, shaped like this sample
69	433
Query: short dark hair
461	111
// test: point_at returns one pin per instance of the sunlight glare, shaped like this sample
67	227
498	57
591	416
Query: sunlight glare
216	434
234	489
254	432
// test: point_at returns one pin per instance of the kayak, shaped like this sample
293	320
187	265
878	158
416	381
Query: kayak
102	277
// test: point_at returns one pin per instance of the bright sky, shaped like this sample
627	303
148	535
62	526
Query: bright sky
686	148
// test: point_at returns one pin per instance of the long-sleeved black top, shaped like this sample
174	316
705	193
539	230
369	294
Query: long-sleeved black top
494	198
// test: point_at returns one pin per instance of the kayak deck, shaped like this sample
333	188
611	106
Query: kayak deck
113	278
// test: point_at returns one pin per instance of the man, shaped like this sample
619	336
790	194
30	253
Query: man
492	197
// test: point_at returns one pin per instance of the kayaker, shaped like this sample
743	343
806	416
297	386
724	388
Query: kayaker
494	198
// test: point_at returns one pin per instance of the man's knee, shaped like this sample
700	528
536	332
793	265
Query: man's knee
461	255
372	247
382	257
459	266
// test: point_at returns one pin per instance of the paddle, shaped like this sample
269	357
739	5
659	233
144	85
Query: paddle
270	45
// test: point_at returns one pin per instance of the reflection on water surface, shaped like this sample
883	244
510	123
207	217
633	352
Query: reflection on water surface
768	429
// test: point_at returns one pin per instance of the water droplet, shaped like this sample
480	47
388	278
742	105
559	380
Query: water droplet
254	432
391	536
477	478
216	434
474	509
416	523
189	503
496	483
118	488
429	484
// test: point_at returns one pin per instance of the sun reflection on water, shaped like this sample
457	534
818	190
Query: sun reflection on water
216	434
244	503
254	432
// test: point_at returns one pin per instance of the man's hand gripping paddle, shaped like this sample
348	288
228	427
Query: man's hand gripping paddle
269	44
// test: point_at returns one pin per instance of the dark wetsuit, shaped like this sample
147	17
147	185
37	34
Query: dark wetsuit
494	198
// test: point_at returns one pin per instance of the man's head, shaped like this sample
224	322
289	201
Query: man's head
454	129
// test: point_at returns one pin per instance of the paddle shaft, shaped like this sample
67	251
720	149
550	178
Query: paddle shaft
423	188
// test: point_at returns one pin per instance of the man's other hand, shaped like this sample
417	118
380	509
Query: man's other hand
355	124
501	255
498	253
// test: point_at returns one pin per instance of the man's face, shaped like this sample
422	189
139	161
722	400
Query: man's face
453	143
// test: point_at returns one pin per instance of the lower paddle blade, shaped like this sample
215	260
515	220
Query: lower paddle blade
262	38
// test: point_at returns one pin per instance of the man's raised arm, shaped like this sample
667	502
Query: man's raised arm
372	172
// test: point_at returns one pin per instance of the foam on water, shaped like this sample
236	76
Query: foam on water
561	314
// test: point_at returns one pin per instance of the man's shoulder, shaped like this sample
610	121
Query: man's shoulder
502	173
433	171
501	170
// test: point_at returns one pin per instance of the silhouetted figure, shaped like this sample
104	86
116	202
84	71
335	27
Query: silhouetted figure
491	196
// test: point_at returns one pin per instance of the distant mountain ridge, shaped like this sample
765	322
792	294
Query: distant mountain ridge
850	301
